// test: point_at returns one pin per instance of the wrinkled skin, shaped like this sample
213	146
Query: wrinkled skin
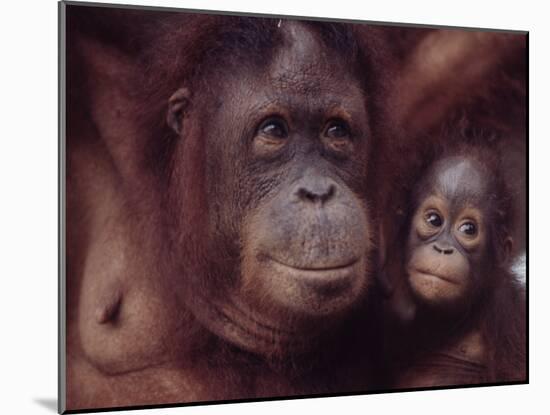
447	241
455	304
295	140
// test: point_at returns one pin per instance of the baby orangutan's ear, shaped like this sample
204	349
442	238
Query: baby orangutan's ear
382	274
507	247
401	303
392	279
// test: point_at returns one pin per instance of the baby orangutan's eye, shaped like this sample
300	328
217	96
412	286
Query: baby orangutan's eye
434	219
468	228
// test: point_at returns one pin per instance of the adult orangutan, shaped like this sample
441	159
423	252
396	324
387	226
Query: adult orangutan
219	230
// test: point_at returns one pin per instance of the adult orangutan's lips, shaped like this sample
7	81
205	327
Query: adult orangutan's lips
315	269
329	282
425	274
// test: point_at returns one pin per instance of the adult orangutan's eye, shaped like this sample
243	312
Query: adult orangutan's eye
274	127
337	129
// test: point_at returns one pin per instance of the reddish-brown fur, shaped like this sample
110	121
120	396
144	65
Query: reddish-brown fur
485	340
139	212
136	193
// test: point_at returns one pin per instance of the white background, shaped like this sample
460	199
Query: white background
28	204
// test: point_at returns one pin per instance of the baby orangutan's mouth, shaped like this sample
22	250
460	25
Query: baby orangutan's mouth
430	275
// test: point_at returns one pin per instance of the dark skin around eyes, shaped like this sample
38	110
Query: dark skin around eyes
294	139
230	250
455	303
447	241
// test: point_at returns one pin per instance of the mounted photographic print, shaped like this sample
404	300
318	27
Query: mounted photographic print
273	207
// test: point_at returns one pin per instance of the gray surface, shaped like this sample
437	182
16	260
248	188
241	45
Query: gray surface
62	329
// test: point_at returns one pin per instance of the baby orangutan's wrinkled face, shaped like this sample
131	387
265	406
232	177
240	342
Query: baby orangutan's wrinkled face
448	237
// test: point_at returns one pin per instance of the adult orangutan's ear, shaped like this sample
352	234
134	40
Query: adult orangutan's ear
177	106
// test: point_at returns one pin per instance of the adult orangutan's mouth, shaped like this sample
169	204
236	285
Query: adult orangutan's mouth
317	269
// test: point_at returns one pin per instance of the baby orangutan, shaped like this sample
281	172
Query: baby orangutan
456	314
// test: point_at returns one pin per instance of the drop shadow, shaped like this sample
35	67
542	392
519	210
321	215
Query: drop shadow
48	403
